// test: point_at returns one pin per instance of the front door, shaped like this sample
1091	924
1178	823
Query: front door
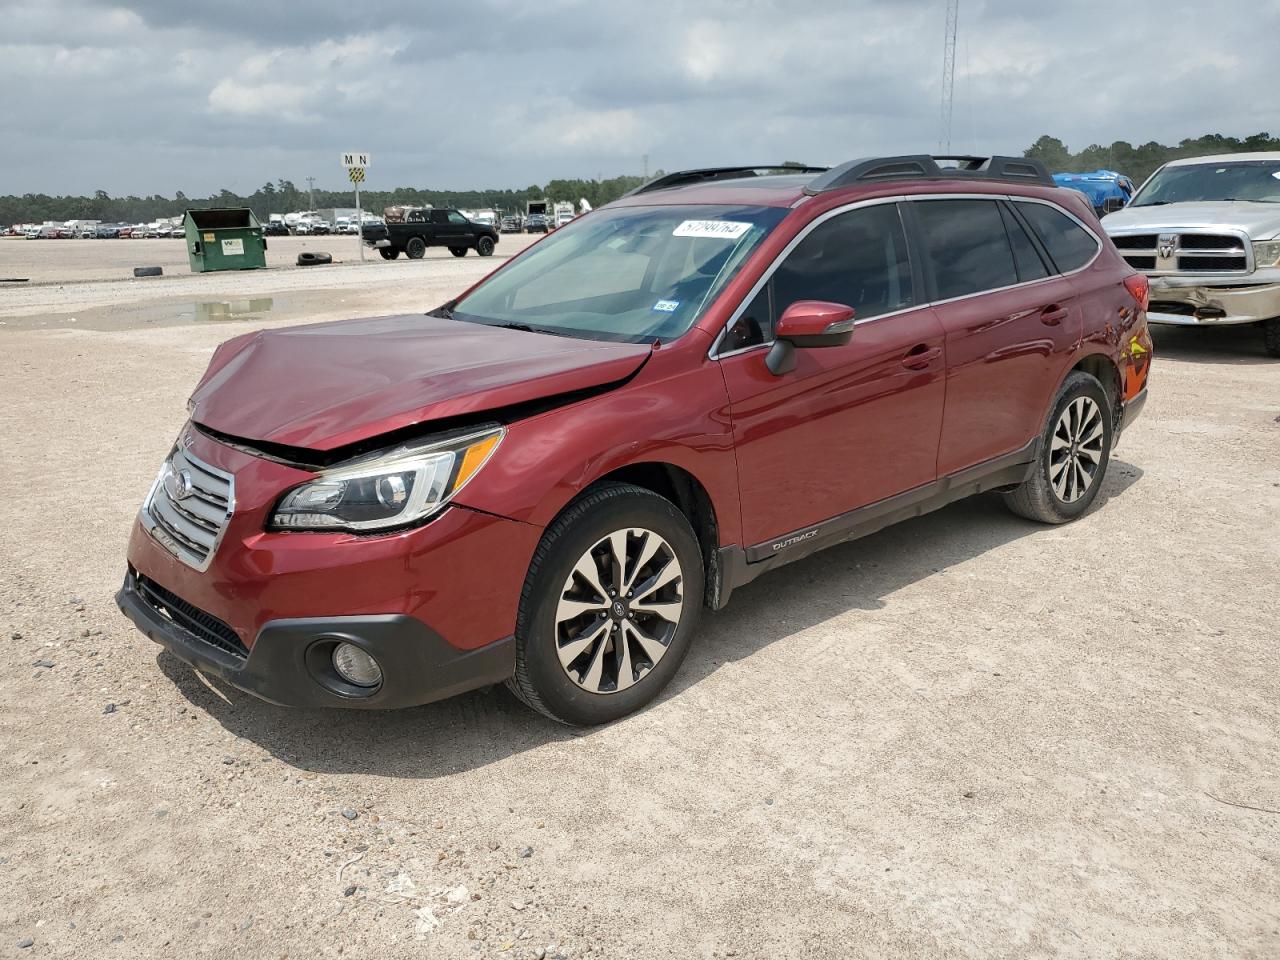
850	425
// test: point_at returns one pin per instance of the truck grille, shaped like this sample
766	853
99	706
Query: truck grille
1189	253
188	508
203	626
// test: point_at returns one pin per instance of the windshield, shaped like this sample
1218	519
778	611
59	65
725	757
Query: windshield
633	274
1257	180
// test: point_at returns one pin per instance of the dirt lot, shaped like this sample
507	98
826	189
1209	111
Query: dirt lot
966	736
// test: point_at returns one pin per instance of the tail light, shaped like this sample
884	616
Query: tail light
1140	289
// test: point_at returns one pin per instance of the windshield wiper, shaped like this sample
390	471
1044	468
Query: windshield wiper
444	312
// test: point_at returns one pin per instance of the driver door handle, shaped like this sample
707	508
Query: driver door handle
1053	315
920	356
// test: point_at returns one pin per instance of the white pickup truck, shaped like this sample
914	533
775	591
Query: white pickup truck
1206	231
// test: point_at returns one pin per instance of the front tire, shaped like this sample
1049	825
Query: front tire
416	248
609	606
1271	336
1075	449
484	246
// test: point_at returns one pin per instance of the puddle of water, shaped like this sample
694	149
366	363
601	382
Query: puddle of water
231	309
162	314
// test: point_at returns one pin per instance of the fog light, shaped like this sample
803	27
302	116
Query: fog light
355	666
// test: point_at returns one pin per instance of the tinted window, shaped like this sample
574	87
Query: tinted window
966	245
1070	245
857	258
455	217
1025	255
439	216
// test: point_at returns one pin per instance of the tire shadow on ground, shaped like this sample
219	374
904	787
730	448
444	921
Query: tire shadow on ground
483	727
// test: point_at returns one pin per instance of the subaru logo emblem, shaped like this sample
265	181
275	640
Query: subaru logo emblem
1166	244
178	484
619	610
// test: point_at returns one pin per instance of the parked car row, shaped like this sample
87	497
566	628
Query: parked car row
105	231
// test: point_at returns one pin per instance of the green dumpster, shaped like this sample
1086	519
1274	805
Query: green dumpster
229	239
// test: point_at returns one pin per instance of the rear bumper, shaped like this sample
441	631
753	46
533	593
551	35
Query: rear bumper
290	661
1177	301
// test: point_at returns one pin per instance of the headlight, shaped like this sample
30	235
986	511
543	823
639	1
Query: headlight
392	489
1266	253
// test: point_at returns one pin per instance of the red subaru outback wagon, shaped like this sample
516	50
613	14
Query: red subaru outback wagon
544	480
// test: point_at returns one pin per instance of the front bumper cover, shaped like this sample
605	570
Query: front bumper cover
1192	302
289	663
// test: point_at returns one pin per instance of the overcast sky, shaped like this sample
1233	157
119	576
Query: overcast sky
165	95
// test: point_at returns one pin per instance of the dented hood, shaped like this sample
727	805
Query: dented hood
324	386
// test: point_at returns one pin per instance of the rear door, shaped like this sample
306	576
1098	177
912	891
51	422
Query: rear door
1011	325
852	424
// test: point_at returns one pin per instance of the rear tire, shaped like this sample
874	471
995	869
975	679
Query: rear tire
1075	449
587	656
416	248
1271	336
388	253
458	251
484	246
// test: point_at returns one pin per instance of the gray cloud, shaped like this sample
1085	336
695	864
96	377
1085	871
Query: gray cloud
151	95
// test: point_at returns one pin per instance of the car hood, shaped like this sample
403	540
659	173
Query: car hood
1261	221
324	386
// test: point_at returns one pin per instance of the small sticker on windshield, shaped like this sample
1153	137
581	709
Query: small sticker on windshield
1276	174
715	229
667	306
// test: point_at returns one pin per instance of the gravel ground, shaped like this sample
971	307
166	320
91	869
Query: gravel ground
966	736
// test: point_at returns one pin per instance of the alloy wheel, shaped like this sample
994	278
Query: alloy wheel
1075	452
618	610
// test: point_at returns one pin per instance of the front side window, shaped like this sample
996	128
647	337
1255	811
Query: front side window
967	246
630	273
458	219
858	259
1070	245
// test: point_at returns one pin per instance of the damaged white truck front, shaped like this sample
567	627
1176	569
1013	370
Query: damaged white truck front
1206	231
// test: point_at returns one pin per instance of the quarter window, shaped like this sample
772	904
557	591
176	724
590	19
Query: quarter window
1070	245
966	245
857	258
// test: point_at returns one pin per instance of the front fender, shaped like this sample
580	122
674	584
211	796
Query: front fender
676	411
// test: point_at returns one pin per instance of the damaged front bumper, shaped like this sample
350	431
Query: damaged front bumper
1192	302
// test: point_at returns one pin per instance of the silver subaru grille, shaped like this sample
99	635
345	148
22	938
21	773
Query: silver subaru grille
188	508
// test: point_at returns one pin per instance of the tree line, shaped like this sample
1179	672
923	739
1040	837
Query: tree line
283	196
1139	162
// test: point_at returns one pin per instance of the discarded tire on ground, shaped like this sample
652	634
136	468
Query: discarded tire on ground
310	258
148	272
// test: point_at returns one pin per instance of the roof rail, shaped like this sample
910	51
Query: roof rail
924	167
705	174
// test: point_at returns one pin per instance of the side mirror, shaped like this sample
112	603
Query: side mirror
808	323
1112	204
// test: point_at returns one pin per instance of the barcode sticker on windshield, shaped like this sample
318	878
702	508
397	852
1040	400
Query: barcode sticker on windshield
716	229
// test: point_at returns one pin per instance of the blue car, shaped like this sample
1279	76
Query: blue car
1106	189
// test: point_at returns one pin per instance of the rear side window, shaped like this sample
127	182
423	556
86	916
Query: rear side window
1070	245
966	245
1025	255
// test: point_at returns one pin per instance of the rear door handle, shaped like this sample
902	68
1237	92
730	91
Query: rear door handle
920	356
1053	315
